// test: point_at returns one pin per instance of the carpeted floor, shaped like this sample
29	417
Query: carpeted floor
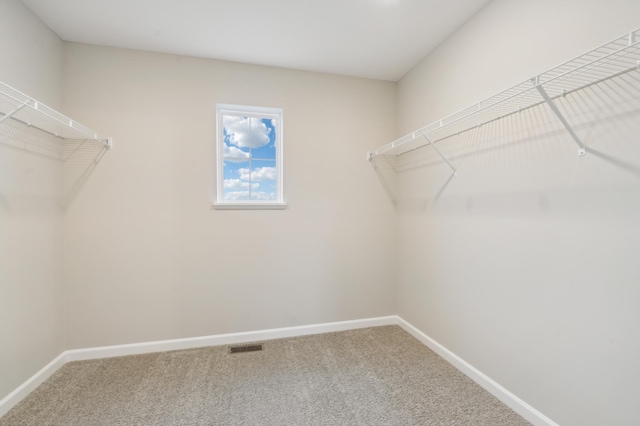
374	376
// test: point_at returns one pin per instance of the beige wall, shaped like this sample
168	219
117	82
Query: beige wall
146	257
30	213
526	266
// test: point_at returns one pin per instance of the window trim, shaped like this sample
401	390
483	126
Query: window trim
250	111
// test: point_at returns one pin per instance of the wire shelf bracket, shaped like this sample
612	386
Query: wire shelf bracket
9	115
17	106
582	150
613	59
455	173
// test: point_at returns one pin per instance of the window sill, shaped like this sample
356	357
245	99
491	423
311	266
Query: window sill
249	206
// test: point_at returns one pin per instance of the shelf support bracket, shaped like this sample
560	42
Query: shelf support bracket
455	173
582	150
10	114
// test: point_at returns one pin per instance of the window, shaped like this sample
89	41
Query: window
249	157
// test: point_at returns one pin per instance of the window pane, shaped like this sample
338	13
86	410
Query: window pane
235	130
250	157
262	177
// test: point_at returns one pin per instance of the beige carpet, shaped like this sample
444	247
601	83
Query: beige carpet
374	376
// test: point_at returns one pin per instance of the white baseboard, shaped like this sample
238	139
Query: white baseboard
509	399
8	402
225	339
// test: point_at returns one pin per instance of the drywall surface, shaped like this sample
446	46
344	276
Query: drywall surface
30	212
525	264
146	256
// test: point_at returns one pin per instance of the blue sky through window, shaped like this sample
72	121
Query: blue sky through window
249	158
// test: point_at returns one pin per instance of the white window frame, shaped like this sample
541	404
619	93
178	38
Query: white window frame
258	112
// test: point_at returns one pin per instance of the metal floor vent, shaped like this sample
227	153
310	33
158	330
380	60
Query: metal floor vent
245	348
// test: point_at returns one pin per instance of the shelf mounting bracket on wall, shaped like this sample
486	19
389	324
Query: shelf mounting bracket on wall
455	172
582	150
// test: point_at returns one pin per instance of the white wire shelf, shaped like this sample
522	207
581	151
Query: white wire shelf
612	59
15	105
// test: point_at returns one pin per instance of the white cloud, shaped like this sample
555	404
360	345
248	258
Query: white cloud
244	195
235	155
258	174
238	184
246	132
